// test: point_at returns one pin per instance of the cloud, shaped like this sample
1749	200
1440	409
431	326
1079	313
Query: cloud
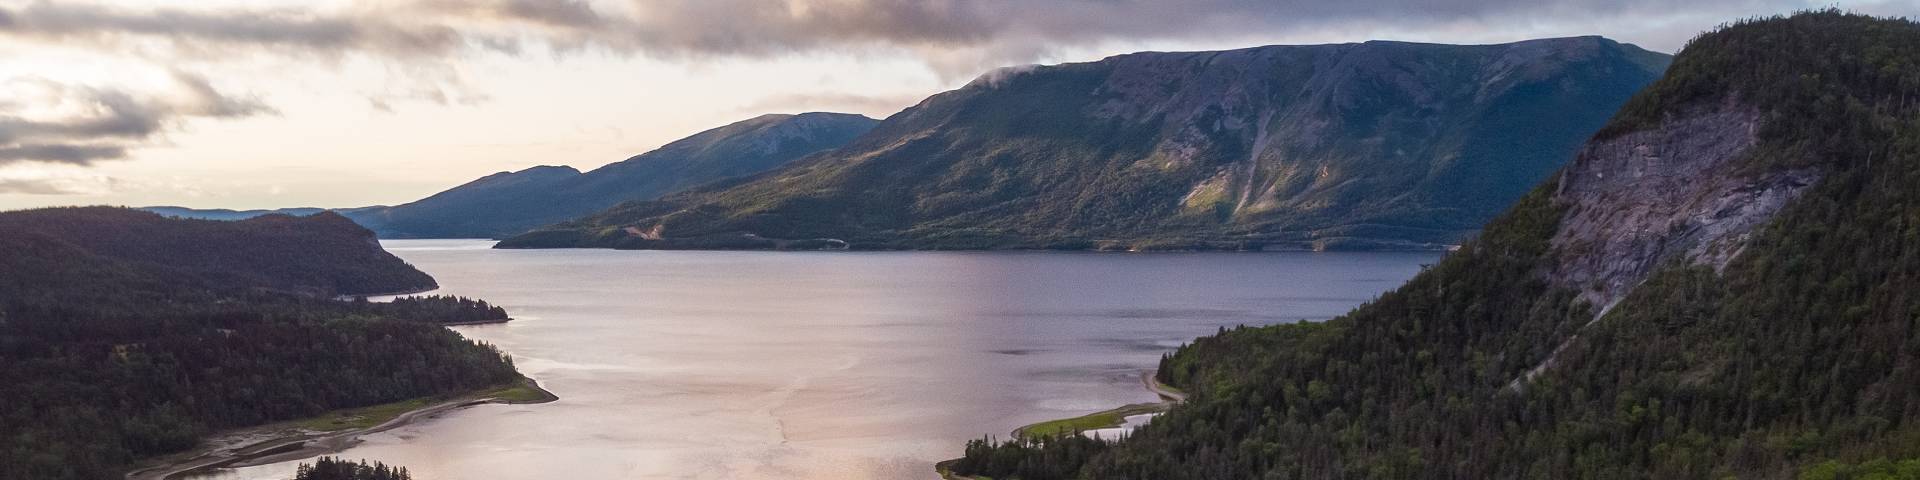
78	125
998	77
75	154
107	26
951	36
34	187
42	182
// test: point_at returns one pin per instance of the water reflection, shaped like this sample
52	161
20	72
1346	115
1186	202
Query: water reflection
826	365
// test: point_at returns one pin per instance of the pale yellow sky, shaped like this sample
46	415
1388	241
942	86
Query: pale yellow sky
361	124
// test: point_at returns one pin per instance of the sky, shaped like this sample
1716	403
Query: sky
316	103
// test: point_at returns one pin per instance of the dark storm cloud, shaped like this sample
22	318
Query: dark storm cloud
71	22
76	154
104	123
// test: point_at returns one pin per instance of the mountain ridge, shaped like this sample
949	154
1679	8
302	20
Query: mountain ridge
506	203
1364	145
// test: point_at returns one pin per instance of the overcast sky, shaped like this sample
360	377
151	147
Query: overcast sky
259	104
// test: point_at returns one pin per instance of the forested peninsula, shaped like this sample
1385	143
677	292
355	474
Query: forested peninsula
125	335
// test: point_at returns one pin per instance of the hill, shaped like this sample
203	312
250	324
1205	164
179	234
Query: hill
1368	145
1719	286
324	254
126	335
509	203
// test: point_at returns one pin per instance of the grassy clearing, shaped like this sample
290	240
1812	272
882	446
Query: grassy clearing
363	417
1093	421
524	391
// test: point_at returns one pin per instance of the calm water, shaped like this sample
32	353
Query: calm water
756	365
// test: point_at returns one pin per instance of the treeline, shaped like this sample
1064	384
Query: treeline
1037	457
329	468
1798	359
107	358
436	309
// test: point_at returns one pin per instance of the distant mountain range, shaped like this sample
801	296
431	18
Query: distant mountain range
508	203
1352	146
226	214
1367	145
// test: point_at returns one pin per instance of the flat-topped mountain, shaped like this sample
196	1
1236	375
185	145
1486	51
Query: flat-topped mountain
1366	145
1718	286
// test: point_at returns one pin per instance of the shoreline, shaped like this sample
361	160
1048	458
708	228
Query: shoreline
1169	396
1434	248
294	440
416	291
475	322
1110	418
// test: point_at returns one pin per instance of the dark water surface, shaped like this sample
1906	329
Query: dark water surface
839	365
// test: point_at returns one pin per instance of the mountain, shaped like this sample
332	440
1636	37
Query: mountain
126	335
323	254
227	214
1368	145
1720	285
508	203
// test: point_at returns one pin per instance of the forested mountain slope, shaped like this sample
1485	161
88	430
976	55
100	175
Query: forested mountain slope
1367	145
1721	285
125	335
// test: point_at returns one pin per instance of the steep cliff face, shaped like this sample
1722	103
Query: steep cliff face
1377	144
1663	197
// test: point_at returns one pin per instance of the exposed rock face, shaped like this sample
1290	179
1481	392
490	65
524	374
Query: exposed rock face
1644	199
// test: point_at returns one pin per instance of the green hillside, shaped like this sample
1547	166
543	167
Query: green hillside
1786	349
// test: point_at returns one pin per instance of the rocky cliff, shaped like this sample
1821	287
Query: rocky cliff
1670	195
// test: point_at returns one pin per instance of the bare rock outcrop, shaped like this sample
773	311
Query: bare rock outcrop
1641	200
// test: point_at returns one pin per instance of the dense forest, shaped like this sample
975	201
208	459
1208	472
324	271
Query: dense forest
329	468
125	335
1797	360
